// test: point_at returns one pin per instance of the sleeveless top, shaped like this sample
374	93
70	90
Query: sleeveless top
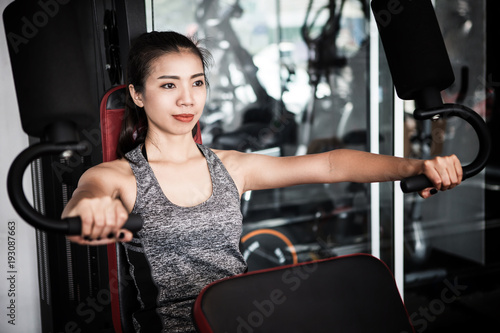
180	250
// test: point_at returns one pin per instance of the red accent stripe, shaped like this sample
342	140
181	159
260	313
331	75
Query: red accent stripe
109	137
113	287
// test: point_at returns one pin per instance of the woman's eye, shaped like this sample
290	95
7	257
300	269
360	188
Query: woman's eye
169	85
198	83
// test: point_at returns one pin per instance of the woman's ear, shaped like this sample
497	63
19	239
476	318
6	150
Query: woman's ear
136	96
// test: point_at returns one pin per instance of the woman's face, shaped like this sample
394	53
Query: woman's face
174	93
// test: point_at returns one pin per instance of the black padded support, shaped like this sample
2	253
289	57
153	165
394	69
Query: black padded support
51	62
346	294
415	50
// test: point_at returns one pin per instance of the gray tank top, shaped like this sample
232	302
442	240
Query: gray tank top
181	249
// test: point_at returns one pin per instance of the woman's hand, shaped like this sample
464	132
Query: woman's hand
102	221
445	172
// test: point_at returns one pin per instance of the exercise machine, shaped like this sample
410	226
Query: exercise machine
64	57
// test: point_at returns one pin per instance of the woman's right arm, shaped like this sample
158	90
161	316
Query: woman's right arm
97	202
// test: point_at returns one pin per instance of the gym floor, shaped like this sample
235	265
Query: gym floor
463	299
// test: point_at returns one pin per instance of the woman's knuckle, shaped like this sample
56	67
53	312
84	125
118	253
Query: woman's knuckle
99	222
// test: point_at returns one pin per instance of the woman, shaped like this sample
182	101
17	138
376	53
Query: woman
189	195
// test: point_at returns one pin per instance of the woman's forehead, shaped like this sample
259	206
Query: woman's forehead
177	63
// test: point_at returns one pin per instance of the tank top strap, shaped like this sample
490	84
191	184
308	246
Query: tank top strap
221	179
145	180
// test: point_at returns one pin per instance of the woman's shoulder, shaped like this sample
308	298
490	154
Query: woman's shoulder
227	153
115	170
120	165
114	178
228	156
242	157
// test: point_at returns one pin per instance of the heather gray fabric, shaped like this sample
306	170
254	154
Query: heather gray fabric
185	248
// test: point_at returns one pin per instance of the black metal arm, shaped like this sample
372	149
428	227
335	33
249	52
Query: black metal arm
420	182
67	226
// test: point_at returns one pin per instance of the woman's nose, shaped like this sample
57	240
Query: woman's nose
185	97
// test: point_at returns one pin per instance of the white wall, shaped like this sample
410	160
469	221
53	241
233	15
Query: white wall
24	274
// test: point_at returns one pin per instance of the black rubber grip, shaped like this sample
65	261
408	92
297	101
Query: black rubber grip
415	183
74	224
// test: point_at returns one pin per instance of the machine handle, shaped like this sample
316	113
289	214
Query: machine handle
420	182
74	224
67	226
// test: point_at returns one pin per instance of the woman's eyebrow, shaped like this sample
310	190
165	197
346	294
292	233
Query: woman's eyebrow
176	77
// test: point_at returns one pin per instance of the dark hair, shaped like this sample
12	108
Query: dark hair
145	49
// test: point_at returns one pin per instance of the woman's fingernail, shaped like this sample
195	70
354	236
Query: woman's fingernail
111	235
121	235
434	191
87	238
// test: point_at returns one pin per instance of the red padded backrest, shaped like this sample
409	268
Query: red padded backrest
112	109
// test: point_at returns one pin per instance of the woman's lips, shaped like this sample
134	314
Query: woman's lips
185	117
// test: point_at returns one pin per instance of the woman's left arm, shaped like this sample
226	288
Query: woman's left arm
256	172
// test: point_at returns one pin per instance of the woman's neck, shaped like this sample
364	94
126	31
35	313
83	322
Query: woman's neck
173	148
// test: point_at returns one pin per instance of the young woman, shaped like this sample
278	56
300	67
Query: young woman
189	195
